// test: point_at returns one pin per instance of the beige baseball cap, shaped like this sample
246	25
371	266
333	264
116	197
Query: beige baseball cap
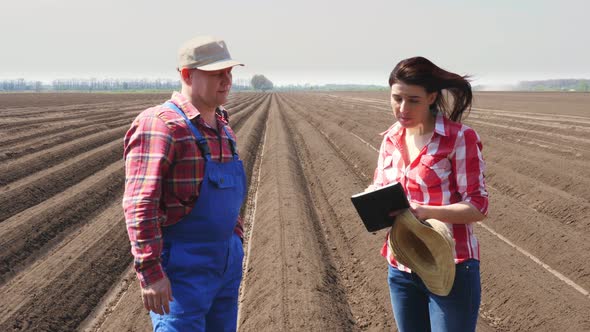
205	53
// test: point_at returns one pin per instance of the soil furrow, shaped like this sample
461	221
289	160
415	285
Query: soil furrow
35	143
41	186
307	295
35	230
16	169
30	285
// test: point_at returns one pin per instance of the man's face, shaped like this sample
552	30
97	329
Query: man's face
210	88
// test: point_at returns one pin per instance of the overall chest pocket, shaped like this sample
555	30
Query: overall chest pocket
223	181
434	170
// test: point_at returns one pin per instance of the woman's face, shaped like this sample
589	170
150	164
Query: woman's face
411	104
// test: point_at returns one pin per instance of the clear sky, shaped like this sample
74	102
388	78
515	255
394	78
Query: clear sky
304	41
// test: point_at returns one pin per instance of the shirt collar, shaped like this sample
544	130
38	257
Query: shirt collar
185	105
440	125
192	112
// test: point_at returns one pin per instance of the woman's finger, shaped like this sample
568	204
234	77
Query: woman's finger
395	213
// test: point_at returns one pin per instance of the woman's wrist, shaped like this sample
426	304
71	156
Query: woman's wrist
457	213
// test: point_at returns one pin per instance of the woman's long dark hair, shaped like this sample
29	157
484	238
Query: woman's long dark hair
420	71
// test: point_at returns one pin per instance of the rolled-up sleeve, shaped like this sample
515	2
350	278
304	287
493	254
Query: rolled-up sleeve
239	229
469	168
148	151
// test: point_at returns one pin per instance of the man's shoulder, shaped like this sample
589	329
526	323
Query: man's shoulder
158	118
159	111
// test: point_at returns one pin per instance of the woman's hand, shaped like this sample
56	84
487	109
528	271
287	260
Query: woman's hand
396	213
457	213
421	212
371	187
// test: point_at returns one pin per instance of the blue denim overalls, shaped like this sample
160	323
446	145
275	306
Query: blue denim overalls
202	255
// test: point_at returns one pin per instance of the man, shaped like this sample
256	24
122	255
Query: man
184	187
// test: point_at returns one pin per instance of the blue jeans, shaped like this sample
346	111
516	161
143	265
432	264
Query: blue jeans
415	308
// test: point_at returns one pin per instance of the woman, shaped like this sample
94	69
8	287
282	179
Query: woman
439	163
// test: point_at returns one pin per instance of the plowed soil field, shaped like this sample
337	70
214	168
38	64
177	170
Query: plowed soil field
65	261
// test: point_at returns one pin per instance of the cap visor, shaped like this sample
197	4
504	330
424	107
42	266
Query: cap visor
220	65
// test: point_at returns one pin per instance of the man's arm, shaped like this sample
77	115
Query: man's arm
148	152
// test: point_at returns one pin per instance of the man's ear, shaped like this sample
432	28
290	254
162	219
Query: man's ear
185	76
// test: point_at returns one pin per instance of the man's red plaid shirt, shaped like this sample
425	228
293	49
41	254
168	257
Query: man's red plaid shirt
163	173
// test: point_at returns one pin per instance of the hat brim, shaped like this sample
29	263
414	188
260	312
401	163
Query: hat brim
427	249
218	65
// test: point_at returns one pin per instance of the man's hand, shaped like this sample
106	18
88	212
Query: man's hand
156	296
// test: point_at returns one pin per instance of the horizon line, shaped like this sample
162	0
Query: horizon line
278	84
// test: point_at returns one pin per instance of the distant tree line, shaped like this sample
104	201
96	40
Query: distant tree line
257	82
581	85
21	85
241	84
332	87
113	84
90	85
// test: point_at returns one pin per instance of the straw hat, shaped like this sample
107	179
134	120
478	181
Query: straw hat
426	247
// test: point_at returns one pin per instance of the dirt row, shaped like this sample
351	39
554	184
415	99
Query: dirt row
45	100
29	118
38	134
288	247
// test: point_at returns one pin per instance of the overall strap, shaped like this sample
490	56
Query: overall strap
232	143
201	141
